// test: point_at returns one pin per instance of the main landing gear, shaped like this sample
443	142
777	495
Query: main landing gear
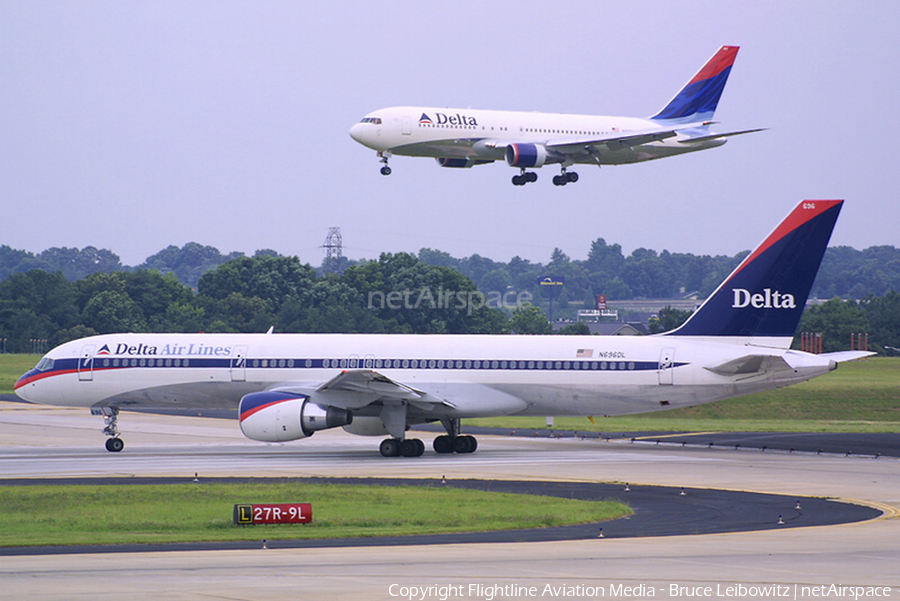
451	442
110	415
408	447
459	444
524	177
384	159
413	447
565	177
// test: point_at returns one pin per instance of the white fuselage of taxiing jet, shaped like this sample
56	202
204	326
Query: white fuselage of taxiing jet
471	375
485	134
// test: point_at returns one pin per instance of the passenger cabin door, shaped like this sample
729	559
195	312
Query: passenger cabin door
666	367
86	363
406	125
239	363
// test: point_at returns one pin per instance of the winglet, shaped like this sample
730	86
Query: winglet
698	99
765	295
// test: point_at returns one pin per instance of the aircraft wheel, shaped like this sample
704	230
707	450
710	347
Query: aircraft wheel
114	445
531	176
465	444
412	447
443	445
385	170
390	447
518	180
572	176
559	180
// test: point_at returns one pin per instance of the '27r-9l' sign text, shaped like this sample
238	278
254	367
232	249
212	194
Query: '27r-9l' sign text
273	513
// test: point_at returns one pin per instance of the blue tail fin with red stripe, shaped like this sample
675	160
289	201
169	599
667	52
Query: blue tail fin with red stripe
698	99
765	295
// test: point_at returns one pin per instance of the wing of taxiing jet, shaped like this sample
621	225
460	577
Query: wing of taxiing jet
336	403
365	386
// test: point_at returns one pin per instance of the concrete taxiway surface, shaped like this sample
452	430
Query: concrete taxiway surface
42	443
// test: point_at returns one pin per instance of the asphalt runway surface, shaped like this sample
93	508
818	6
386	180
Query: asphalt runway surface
51	443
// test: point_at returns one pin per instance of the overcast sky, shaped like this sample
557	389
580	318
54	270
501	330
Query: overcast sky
135	125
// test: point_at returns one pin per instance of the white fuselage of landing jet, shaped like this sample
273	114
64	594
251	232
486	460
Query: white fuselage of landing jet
486	134
454	375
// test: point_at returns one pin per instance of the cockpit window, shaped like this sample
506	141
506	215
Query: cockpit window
372	120
45	364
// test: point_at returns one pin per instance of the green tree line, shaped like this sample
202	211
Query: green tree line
645	273
395	294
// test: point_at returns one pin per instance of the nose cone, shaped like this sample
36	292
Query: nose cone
23	387
356	132
367	133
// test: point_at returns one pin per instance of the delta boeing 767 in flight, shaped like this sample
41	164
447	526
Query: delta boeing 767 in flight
463	138
288	386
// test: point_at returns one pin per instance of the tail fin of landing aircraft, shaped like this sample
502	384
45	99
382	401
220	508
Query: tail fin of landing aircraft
763	298
698	99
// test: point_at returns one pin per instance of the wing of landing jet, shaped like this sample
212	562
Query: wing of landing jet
619	140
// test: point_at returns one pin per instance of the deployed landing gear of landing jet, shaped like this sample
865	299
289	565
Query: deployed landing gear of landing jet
384	159
565	177
114	444
524	177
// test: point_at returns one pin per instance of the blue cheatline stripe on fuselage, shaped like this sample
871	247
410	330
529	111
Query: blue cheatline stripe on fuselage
69	366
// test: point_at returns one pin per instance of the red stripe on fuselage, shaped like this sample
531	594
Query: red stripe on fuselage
26	381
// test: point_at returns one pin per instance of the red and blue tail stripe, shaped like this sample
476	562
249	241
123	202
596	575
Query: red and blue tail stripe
698	100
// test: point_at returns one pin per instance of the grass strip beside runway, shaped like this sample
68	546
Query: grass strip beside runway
203	512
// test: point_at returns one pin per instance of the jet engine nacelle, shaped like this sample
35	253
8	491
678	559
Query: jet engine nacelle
526	155
273	416
461	163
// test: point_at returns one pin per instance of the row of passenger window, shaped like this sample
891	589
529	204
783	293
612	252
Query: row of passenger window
146	363
392	364
446	364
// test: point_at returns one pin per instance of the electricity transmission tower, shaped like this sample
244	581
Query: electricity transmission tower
334	252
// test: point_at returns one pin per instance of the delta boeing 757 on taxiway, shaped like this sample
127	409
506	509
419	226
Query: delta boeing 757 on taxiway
466	137
288	386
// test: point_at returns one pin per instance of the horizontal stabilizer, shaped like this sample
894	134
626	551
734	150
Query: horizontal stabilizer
725	135
751	365
842	356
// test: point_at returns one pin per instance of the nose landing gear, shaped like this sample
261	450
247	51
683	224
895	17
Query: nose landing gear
384	159
110	415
